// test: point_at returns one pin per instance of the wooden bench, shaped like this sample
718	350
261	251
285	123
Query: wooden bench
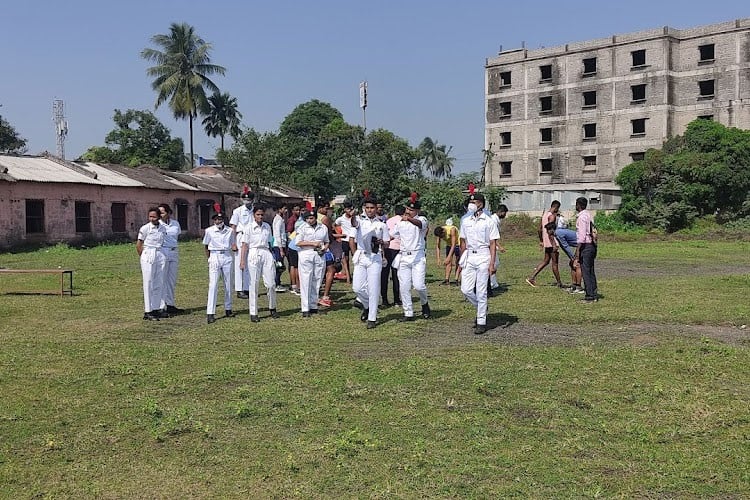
61	291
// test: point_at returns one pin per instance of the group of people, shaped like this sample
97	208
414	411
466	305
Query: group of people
157	248
366	249
554	235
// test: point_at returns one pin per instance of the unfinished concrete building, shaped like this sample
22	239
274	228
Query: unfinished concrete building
561	122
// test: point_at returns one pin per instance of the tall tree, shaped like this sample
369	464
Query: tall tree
182	68
10	141
257	158
140	138
222	117
436	158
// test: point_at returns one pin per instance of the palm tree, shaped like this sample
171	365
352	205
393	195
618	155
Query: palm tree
436	158
181	69
222	117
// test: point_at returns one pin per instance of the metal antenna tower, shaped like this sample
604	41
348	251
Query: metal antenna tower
61	126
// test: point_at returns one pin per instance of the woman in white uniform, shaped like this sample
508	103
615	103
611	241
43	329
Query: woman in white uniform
257	259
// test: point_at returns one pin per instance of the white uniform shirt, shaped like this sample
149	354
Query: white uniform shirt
151	235
367	229
308	233
256	235
478	231
279	232
173	233
412	237
218	239
346	226
241	216
498	221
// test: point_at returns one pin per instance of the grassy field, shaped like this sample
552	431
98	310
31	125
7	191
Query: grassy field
643	394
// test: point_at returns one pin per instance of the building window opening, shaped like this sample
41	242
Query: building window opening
34	216
706	117
182	215
118	217
589	99
504	109
706	88
505	168
589	161
638	127
83	217
545	165
589	131
505	139
505	79
639	58
545	73
589	66
639	156
706	52
545	104
546	135
638	93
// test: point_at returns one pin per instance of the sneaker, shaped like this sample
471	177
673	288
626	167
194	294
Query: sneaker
254	318
531	283
228	313
371	325
445	282
577	289
480	329
210	318
243	295
426	313
281	289
339	276
294	291
325	302
588	301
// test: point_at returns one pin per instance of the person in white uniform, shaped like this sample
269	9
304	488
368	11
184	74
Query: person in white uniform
371	236
256	257
497	217
312	240
411	261
478	234
149	247
219	242
171	259
241	216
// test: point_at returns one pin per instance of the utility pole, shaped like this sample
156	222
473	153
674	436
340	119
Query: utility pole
363	102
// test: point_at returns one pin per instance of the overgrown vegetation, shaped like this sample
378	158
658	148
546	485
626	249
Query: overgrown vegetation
703	172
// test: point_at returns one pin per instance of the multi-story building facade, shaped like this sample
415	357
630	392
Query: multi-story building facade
561	122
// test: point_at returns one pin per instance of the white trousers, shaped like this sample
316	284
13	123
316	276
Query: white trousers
411	273
366	281
171	263
152	270
493	278
219	264
474	276
241	278
311	269
260	263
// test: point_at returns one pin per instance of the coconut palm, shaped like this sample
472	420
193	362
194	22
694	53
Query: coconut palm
182	66
222	117
436	158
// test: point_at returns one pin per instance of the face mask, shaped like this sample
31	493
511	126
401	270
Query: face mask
247	203
472	207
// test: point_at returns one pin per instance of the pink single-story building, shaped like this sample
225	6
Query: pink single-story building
47	200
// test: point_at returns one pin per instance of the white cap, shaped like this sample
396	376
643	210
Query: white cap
449	221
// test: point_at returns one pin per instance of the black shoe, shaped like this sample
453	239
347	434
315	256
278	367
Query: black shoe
305	314
364	315
404	319
274	314
228	313
313	311
385	304
398	304
174	310
358	304
161	313
480	329
149	316
243	295
210	318
254	319
426	313
371	324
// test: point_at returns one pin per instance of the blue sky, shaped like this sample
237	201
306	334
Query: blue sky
423	60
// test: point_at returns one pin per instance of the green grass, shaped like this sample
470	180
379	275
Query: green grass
645	393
